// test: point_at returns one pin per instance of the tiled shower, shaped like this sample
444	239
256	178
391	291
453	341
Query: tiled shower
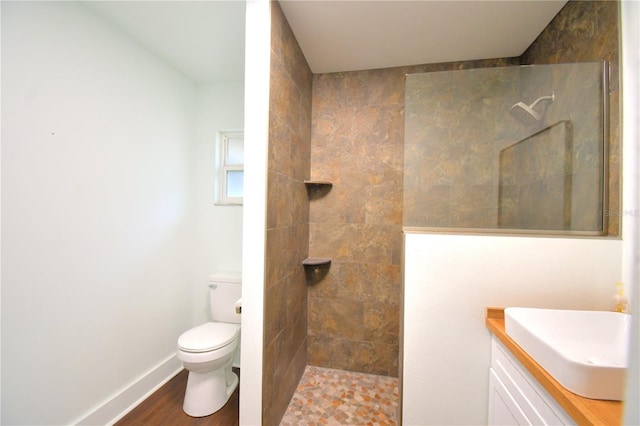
348	128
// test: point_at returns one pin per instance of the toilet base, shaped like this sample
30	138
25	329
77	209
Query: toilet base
209	391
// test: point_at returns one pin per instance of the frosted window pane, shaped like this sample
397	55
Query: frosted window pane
235	150
235	183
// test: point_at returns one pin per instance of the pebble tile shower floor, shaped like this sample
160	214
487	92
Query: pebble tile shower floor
326	396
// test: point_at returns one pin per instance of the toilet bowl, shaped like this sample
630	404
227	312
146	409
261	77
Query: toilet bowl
207	351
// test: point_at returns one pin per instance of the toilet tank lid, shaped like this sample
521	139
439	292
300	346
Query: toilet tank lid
225	277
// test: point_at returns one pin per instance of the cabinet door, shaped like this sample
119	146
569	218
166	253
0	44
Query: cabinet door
503	409
537	406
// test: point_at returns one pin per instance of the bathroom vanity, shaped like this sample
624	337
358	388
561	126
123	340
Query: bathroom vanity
522	392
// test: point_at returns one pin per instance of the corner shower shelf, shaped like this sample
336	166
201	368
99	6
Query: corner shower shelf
316	268
317	183
316	261
317	188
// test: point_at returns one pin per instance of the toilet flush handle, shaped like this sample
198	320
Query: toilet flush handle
213	286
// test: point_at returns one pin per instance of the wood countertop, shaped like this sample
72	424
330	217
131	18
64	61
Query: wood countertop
583	410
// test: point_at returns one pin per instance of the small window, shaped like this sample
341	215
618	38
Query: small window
231	167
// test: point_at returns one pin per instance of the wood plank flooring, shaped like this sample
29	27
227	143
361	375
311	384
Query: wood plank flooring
164	407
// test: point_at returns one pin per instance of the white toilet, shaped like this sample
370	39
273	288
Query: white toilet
208	350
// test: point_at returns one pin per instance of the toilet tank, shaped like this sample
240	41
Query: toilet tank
225	288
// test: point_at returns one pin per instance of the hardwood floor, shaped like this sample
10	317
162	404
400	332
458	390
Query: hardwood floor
164	407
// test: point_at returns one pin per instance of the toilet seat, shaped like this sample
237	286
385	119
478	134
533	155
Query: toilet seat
207	337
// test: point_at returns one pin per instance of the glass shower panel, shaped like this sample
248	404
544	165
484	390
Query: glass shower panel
510	149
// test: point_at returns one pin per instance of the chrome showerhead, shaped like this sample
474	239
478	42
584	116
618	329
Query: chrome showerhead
526	114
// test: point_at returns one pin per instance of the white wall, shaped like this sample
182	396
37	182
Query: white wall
96	220
450	279
0	217
630	17
256	138
218	237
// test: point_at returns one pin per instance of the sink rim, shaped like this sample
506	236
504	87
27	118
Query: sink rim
596	379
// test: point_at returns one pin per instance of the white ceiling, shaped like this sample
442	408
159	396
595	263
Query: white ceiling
205	39
202	39
356	35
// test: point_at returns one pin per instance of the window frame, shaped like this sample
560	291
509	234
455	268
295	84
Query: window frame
223	168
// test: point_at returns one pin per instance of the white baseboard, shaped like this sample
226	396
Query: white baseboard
130	397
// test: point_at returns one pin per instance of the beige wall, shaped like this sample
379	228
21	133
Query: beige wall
287	244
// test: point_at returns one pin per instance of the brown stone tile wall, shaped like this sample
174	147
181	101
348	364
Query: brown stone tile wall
586	31
285	305
357	142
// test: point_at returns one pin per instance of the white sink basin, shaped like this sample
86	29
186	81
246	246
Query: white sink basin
585	351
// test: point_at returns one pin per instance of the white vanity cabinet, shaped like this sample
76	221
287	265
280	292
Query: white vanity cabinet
515	397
